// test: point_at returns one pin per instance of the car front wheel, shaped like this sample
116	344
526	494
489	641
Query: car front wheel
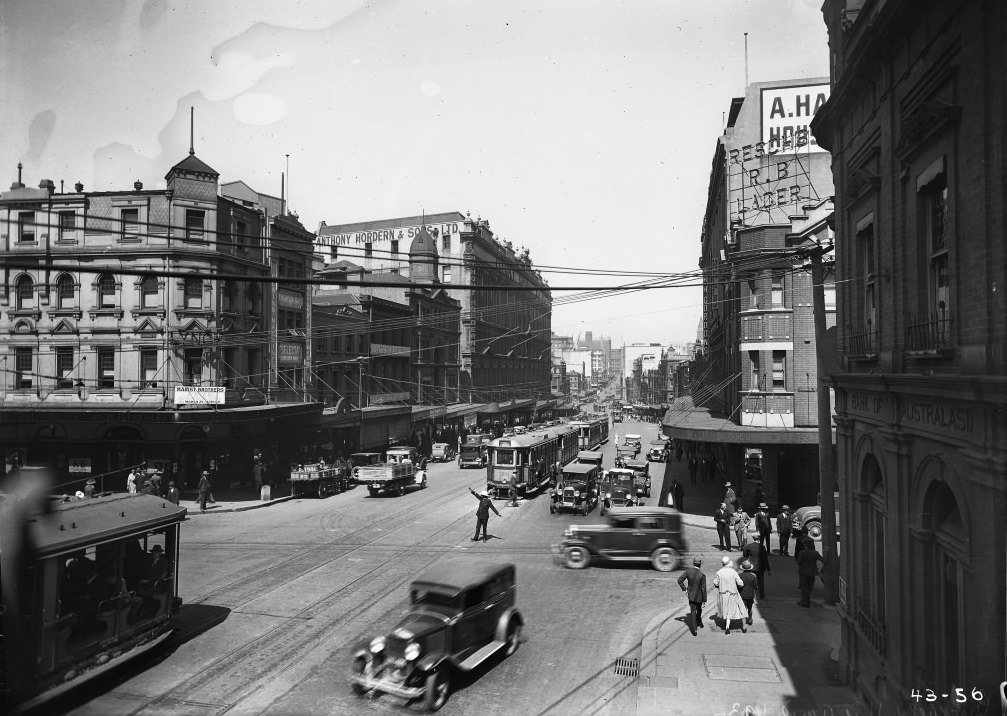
359	667
814	530
577	557
664	559
437	690
513	636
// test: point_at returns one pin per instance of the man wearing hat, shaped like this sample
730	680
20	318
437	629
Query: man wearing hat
173	494
89	487
748	588
696	592
723	518
483	512
758	555
730	499
784	524
204	489
763	525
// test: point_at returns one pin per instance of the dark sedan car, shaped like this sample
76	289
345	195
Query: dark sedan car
462	612
631	534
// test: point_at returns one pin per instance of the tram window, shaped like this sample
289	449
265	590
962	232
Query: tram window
505	457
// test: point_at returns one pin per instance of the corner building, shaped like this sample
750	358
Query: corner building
915	125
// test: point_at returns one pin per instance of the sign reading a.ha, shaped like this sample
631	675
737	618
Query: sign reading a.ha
786	116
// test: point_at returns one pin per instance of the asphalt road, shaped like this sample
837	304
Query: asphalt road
275	598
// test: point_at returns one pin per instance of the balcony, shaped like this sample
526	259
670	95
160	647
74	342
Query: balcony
873	631
767	410
863	344
929	337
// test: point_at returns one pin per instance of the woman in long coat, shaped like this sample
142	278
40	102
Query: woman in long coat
729	604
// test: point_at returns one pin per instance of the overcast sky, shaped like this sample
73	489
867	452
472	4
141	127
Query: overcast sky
581	129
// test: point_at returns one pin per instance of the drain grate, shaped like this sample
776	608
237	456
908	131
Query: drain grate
627	667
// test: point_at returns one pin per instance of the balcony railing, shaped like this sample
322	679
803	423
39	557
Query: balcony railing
864	343
932	335
873	631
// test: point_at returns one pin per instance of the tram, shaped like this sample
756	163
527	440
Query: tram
94	584
529	459
592	433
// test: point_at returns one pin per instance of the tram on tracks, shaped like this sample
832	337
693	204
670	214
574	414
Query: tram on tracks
592	433
529	460
93	584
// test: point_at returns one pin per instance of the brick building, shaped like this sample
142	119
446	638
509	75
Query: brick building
915	125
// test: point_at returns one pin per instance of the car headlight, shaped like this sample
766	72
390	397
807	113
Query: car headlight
377	644
608	496
412	651
576	493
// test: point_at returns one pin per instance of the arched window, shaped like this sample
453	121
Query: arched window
65	292
193	293
25	293
149	292
106	291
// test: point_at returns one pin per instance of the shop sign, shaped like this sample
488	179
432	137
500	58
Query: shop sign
787	114
291	354
289	299
399	233
199	395
79	466
933	414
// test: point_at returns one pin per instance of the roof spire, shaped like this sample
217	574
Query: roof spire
192	113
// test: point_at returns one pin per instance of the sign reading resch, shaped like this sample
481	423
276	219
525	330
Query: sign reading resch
199	395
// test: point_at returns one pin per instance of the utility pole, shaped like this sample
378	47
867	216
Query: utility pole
826	454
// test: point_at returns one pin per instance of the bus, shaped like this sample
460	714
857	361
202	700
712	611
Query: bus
96	585
529	460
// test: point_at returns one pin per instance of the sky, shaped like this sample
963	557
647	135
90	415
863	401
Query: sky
583	130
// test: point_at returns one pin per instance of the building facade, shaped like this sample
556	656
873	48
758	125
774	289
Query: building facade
915	125
506	306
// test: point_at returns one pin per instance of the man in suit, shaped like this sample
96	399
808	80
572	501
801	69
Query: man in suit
696	590
723	519
758	555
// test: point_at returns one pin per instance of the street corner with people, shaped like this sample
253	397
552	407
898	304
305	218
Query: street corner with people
483	513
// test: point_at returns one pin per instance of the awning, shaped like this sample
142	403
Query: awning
684	421
427	412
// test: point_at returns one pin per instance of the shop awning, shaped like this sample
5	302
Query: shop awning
685	421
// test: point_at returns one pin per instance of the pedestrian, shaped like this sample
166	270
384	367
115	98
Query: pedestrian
758	555
89	487
204	489
483	512
763	525
678	453
740	522
722	517
173	494
696	592
807	569
730	499
784	523
155	484
678	495
258	468
748	587
693	466
131	482
729	604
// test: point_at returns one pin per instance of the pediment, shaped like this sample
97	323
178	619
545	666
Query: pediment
148	326
64	326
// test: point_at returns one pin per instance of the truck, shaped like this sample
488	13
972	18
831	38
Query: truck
473	452
318	479
394	475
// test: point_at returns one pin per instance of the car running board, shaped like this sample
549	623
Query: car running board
482	655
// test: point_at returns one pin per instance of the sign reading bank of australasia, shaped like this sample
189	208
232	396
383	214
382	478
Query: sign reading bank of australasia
199	395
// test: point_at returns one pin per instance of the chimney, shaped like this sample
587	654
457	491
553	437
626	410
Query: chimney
47	186
78	187
138	185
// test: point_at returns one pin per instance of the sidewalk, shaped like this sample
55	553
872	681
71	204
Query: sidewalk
785	664
237	499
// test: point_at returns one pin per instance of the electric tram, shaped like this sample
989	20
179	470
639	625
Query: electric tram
592	433
94	583
529	460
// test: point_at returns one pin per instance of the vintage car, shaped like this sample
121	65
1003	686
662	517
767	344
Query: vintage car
618	489
656	451
473	452
442	452
631	533
577	490
590	457
810	518
634	440
641	476
461	613
361	459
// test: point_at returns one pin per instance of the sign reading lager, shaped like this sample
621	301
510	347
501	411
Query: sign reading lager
199	395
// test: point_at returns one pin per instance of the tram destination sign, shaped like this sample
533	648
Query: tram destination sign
199	395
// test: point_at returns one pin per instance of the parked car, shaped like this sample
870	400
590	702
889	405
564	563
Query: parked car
618	489
656	451
631	533
810	517
442	452
634	440
462	612
641	476
577	490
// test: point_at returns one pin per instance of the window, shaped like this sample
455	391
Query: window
65	292
148	368
227	302
254	299
753	293
368	250
395	247
106	368
149	292
829	288
67	225
64	366
193	366
779	370
24	359
193	293
26	226
445	274
777	291
240	235
445	242
194	224
25	293
130	220
865	250
935	206
756	377
106	291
